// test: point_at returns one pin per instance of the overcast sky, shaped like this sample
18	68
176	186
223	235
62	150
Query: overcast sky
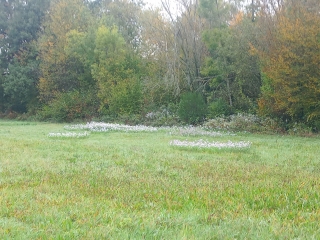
153	3
157	3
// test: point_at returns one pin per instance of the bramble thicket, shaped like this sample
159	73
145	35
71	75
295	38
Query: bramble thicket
65	60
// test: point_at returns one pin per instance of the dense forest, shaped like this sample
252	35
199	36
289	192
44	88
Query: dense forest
64	60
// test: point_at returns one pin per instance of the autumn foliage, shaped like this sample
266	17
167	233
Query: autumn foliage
290	64
69	59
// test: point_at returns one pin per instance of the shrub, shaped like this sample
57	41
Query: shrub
219	108
69	106
300	129
245	122
163	116
126	98
192	108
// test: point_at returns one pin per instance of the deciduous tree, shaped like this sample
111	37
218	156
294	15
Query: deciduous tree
291	64
116	70
20	22
233	73
61	72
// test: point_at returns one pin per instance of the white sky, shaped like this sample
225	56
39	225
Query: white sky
153	3
157	4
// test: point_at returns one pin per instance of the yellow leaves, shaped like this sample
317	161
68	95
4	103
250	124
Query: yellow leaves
50	44
237	19
45	89
291	61
65	17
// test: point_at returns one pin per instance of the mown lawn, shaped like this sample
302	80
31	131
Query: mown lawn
134	185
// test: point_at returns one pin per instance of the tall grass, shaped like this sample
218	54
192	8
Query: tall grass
121	185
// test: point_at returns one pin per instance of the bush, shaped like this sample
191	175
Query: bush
192	108
245	122
219	108
126	98
69	106
300	129
164	116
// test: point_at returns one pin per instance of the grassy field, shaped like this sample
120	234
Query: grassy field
135	185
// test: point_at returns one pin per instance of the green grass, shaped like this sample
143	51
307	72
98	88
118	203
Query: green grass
118	185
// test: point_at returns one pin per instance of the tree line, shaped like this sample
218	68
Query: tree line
79	59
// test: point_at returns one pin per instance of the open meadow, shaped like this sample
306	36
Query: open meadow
74	183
